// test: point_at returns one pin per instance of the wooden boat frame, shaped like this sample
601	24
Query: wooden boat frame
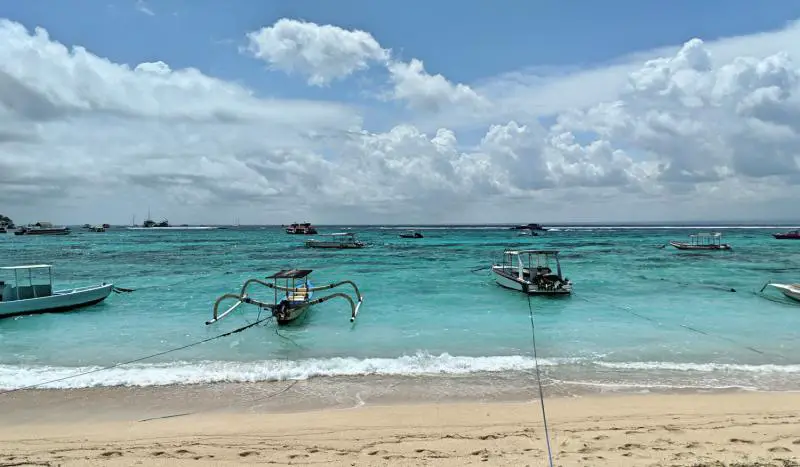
297	299
512	273
698	242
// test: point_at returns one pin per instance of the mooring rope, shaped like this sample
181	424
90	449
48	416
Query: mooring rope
116	365
690	328
539	382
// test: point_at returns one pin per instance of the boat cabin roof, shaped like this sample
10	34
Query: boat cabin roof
531	252
340	234
290	274
707	234
30	266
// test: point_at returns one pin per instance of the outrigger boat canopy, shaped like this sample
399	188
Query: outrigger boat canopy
291	274
298	298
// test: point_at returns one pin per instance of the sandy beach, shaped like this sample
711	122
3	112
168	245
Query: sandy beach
740	429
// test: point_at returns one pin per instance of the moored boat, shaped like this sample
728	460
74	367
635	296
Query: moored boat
702	241
301	229
790	235
42	228
295	300
32	298
529	227
342	240
411	234
529	271
789	290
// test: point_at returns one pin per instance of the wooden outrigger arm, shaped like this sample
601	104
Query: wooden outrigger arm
242	297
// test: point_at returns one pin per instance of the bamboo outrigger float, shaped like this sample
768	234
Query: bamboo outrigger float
298	298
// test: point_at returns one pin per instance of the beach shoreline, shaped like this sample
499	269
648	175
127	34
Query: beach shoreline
618	429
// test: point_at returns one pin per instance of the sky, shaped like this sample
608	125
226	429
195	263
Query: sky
364	112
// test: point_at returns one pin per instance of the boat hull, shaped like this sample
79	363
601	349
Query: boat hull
59	301
786	236
64	231
689	246
293	313
789	290
333	245
513	283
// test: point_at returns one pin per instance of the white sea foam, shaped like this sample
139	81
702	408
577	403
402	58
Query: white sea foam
159	374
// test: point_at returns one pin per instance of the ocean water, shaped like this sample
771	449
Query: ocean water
641	317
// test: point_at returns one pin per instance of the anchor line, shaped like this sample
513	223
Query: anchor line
693	329
539	382
116	365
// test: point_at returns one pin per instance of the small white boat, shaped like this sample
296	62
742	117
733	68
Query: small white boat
790	290
343	240
529	271
33	298
702	241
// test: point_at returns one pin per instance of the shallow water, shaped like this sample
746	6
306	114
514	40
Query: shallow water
641	316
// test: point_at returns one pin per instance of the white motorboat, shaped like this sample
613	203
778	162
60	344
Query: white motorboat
26	296
790	290
529	271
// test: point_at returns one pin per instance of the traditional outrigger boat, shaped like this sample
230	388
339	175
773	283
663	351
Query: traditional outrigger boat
529	271
296	300
33	298
702	241
789	290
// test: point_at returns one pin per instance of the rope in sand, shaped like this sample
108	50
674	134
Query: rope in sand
539	382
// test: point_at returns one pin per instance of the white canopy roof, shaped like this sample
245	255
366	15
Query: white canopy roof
30	266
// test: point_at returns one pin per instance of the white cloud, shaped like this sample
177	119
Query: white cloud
424	91
83	136
325	53
142	7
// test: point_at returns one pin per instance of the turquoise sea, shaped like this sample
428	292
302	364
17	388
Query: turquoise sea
642	316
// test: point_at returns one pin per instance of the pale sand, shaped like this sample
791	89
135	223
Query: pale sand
630	430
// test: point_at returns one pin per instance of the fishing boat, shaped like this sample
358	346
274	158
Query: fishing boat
293	296
42	228
97	228
790	235
411	234
702	241
301	229
529	271
789	290
27	296
341	240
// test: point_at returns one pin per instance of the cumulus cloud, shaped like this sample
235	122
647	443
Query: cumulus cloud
325	53
84	135
322	53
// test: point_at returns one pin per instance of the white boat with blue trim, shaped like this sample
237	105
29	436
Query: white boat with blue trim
27	295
